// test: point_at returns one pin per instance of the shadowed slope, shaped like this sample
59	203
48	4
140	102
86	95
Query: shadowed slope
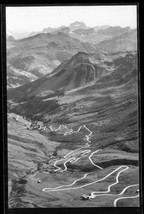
40	54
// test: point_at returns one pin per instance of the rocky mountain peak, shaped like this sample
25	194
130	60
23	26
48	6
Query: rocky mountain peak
77	25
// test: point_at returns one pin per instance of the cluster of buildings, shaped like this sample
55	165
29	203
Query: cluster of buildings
35	126
87	197
32	125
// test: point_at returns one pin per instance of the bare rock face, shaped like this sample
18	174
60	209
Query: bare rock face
77	25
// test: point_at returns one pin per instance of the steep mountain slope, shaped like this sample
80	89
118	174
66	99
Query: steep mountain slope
85	78
80	70
39	55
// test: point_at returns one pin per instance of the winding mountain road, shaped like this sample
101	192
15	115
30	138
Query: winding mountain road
70	157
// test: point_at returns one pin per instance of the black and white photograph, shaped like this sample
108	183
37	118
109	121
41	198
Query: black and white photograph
72	81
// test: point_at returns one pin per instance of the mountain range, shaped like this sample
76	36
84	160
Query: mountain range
33	57
72	27
39	54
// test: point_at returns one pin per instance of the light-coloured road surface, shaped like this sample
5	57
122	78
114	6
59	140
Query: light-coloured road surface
72	157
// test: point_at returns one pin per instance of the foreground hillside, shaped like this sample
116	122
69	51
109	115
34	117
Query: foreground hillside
36	181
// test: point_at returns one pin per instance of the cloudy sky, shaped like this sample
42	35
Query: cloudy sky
36	18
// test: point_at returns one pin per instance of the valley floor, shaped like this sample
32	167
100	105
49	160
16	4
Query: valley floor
45	173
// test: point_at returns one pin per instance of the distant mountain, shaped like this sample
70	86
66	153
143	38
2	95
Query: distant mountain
17	34
46	30
99	30
114	31
10	38
92	35
73	26
84	32
65	30
124	42
40	54
77	25
50	29
99	34
10	41
96	28
33	33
